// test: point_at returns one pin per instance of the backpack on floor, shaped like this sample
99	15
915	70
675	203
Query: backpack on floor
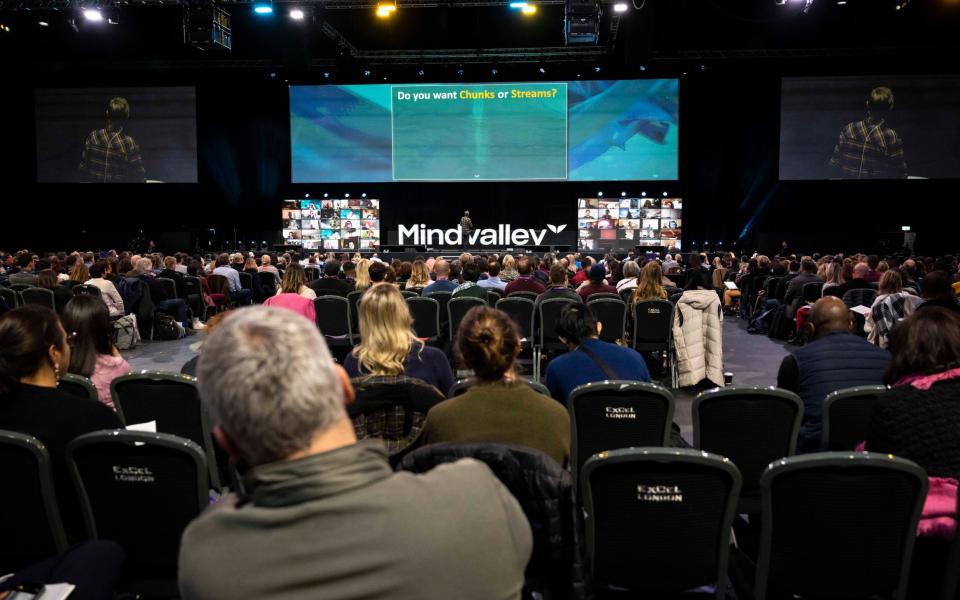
760	322
781	326
125	332
167	328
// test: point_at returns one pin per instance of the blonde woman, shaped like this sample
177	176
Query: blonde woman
388	346
363	275
649	286
509	271
419	276
295	282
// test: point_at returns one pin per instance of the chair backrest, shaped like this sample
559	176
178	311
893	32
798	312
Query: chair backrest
169	286
521	311
391	409
675	297
218	284
36	295
140	490
30	522
527	295
861	297
652	325
462	385
354	299
170	399
246	280
333	317
10	296
493	296
812	291
658	520
752	426
311	273
77	385
599	295
457	308
87	290
846	416
19	287
426	316
267	282
626	294
780	290
549	317
409	293
611	415
442	298
839	525
548	507
192	285
612	312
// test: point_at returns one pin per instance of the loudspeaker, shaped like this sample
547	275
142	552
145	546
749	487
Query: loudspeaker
582	21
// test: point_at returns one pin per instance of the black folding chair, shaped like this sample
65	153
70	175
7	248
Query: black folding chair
839	525
77	385
612	415
627	294
675	297
861	297
442	298
140	490
408	294
527	295
601	295
246	281
458	308
752	426
194	291
426	317
333	318
311	273
612	313
172	400
36	295
267	283
658	520
812	291
653	331
19	287
462	385
354	299
846	416
30	522
493	296
11	297
87	290
169	286
521	311
546	334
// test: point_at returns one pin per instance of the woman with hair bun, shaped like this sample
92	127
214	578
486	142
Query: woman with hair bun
499	408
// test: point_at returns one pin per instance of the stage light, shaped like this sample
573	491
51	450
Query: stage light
386	9
366	73
93	15
542	71
326	75
623	194
420	73
460	72
296	14
596	69
620	7
4	28
306	195
326	195
530	9
263	8
664	194
643	194
600	194
346	195
493	71
518	5
363	195
43	23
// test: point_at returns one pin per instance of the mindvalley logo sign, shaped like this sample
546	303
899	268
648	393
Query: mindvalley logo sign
503	235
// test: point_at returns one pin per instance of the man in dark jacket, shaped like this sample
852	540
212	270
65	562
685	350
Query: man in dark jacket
858	282
794	295
835	360
325	516
331	284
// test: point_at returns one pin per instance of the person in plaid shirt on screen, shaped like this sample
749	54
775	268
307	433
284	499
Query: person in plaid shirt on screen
110	156
869	149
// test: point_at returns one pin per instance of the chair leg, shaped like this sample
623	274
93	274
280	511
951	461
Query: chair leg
536	363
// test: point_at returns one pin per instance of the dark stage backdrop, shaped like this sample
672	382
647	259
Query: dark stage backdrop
728	174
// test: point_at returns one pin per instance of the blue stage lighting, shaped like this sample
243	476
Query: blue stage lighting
263	8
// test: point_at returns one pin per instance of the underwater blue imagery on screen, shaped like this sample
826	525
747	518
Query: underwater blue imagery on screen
576	131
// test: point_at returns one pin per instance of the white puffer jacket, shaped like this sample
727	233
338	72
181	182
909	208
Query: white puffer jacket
698	337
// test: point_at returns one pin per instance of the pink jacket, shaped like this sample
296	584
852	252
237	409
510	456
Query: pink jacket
107	368
294	302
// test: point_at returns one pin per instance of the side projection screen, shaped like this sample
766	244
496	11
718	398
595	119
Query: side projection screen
560	131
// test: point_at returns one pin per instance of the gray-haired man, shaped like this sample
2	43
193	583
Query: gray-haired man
325	517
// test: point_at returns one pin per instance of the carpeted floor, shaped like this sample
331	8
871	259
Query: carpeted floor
753	360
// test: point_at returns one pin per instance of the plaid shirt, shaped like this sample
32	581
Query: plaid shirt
111	157
869	150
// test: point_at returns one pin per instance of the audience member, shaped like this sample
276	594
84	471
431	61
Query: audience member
835	359
388	345
316	490
175	307
34	351
99	274
419	276
509	271
470	288
223	268
808	274
295	282
266	267
331	284
378	272
493	280
558	288
62	294
524	281
596	284
362	277
589	359
890	306
631	272
938	291
93	355
443	283
856	282
873	274
498	408
190	367
24	276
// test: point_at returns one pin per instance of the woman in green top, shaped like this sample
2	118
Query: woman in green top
499	408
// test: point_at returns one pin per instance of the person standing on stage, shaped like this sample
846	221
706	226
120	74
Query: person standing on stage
466	227
869	149
109	155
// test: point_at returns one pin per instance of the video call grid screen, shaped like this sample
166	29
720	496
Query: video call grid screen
332	224
621	224
541	131
116	135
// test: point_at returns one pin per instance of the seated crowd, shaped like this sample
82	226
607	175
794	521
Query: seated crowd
322	513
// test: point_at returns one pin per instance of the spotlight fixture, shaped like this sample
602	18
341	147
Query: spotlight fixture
326	74
93	15
460	72
325	195
543	71
364	195
600	194
623	194
386	9
620	7
263	8
664	194
366	73
529	9
643	194
306	195
296	14
43	23
420	73
4	28
346	195
493	71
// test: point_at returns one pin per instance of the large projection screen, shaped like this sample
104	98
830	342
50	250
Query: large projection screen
621	130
